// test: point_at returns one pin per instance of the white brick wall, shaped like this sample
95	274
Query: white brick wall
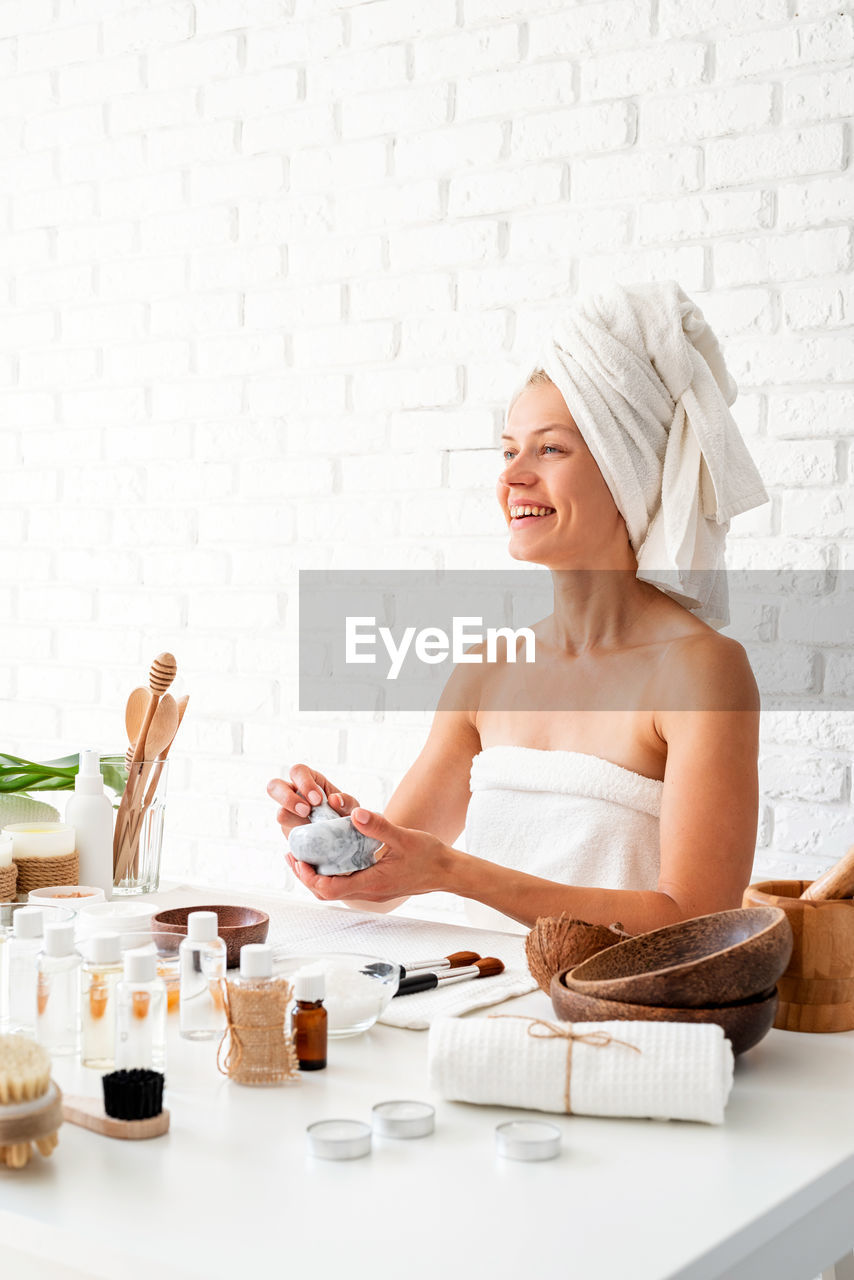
261	257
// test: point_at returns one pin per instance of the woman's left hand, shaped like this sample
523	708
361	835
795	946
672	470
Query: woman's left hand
409	862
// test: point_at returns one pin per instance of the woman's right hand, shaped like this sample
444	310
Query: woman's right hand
303	789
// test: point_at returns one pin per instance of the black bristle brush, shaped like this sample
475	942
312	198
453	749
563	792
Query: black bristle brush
133	1106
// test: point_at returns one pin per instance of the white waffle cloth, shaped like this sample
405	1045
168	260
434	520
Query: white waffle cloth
683	1072
298	927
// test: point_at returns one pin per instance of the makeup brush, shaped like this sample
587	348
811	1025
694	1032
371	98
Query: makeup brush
489	967
457	960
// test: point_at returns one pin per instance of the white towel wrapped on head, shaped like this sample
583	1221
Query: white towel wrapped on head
646	383
676	1070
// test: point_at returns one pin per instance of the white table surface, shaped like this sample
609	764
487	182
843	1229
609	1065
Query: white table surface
230	1191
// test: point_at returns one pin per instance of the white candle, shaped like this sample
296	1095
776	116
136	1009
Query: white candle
5	851
40	839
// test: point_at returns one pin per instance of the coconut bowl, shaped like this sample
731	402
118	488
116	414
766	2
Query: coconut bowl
744	1023
716	959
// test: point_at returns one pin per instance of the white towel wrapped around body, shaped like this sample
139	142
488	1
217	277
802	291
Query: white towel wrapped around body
645	380
565	816
684	1071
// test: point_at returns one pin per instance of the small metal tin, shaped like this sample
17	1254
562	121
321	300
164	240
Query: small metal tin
404	1119
339	1139
527	1140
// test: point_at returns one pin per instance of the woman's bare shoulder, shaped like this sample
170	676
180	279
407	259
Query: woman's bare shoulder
701	669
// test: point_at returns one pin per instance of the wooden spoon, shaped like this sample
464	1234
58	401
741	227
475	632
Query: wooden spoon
161	675
838	882
161	731
134	712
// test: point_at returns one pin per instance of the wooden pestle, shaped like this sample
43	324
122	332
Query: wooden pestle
838	882
160	677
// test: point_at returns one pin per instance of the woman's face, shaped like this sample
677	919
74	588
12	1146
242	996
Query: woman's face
549	468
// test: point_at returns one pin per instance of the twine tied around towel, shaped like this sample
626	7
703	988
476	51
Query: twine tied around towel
260	1050
554	1031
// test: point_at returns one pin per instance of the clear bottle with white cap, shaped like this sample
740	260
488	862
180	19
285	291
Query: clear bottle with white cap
309	1019
58	991
141	1012
202	964
90	813
100	976
22	971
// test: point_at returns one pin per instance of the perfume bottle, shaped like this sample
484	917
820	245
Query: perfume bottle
141	1013
100	977
58	992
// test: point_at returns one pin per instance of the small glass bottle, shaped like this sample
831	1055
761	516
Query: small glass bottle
58	992
202	962
309	1020
101	974
141	1013
22	969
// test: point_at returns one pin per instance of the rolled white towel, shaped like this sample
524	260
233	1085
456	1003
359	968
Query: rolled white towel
675	1071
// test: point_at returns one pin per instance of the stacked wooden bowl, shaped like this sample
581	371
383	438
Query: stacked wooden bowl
720	968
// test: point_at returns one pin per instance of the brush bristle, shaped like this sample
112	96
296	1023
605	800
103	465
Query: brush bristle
460	959
24	1069
489	967
133	1095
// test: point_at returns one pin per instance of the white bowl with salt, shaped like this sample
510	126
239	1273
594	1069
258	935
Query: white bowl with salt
358	987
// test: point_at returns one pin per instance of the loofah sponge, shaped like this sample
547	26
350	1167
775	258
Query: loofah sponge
558	942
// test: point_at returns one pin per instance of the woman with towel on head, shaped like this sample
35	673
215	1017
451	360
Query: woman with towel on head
627	789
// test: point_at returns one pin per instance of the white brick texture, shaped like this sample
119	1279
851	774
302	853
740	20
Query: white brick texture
262	263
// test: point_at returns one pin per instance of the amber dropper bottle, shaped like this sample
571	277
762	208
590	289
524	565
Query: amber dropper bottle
309	1020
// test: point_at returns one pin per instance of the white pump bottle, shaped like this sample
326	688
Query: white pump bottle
90	813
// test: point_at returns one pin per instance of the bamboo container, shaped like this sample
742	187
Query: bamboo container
817	989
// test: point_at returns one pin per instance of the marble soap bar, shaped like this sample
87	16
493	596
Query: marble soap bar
331	844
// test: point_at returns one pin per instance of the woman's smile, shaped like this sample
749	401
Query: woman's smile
523	514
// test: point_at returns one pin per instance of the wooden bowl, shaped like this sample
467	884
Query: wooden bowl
235	925
744	1023
708	960
817	988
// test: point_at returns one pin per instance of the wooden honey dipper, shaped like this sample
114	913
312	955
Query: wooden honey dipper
160	677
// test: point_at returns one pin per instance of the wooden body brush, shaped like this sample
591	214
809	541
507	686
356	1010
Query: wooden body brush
30	1102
